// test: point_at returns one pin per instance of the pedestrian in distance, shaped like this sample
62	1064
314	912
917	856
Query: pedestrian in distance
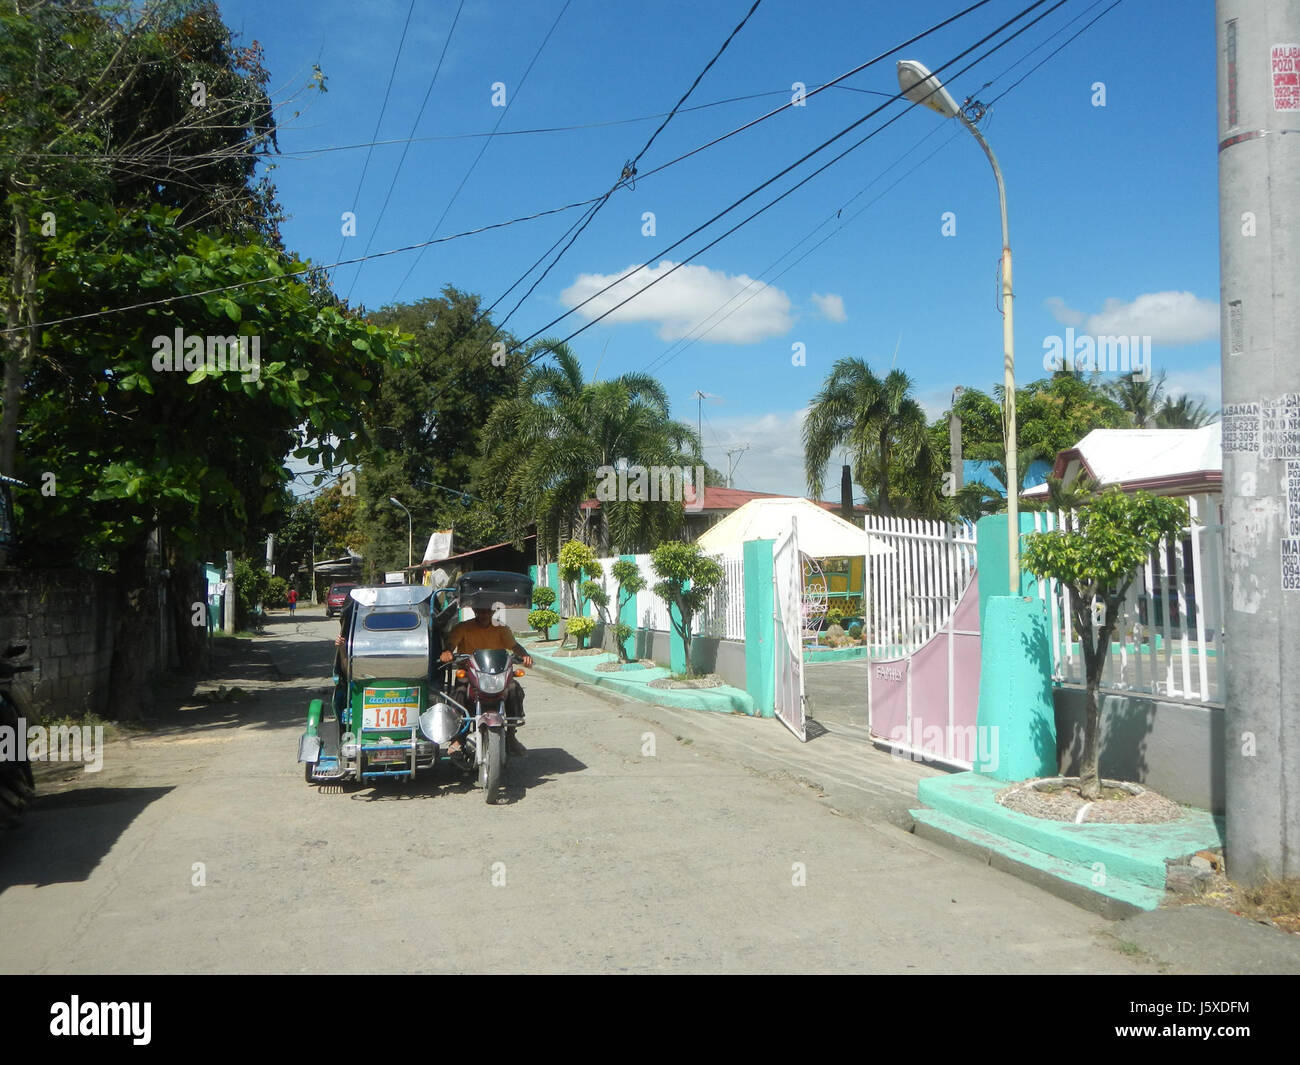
293	600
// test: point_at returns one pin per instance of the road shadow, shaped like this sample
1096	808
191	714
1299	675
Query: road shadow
541	766
63	837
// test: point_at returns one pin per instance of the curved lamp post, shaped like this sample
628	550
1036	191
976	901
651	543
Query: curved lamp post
922	87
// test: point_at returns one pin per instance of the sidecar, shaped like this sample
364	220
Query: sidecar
383	719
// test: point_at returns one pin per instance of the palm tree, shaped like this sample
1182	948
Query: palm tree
881	426
543	449
1182	413
1139	398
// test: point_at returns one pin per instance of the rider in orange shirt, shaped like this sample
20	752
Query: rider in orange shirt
484	633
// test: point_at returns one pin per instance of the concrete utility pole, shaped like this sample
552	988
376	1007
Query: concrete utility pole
1259	253
228	618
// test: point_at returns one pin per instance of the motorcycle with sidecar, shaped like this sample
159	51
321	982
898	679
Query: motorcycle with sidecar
397	711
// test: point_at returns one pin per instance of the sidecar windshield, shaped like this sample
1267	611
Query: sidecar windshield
391	621
494	661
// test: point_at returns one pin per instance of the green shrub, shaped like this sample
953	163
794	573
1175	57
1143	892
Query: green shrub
580	628
277	592
834	616
544	597
543	620
855	630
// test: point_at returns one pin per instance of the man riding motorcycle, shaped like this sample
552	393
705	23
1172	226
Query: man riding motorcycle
482	633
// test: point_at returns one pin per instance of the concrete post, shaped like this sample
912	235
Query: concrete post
760	626
1259	255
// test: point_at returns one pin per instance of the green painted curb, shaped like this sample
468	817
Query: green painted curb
721	700
1128	856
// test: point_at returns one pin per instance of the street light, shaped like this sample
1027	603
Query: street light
409	546
922	87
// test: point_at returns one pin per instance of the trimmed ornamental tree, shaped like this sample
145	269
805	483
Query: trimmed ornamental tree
630	581
581	628
1097	559
576	561
679	565
543	618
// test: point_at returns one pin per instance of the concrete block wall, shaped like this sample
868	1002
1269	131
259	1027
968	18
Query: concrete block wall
65	617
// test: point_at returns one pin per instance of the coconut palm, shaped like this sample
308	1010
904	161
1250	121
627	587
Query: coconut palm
1139	397
544	446
884	431
1182	413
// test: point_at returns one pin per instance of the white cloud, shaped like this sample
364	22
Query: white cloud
1171	318
1062	313
687	298
830	307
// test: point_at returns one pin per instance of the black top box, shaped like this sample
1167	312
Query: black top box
486	587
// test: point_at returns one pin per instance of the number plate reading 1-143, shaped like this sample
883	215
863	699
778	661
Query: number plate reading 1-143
390	707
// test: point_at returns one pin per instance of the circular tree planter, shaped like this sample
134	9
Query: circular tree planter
1058	799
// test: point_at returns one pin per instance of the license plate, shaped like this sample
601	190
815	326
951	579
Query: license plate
390	707
389	756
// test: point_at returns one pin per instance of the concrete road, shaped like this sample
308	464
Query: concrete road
634	839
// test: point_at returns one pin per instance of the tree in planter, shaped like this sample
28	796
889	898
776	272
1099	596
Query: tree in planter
594	593
577	559
581	628
1096	560
679	564
543	618
630	581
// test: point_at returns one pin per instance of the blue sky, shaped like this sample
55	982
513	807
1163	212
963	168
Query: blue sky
1113	209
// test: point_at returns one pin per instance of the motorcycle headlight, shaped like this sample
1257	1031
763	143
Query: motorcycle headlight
491	683
440	723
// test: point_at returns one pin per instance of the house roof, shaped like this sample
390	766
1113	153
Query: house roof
1161	461
820	533
717	498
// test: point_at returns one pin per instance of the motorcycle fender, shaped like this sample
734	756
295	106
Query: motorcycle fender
314	711
309	748
491	719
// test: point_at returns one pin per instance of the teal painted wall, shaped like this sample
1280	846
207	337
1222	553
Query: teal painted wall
627	615
760	627
1016	712
991	551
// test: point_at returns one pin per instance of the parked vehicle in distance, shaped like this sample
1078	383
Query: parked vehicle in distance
338	595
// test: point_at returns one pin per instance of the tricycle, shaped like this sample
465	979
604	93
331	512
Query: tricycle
398	709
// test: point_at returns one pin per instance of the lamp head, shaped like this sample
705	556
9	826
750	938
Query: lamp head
922	87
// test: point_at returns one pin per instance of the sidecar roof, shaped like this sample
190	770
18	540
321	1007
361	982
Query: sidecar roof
392	595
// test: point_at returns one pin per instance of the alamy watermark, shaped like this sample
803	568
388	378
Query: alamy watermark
652	484
58	743
1113	354
973	744
212	354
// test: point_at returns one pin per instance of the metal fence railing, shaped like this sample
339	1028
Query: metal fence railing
1171	636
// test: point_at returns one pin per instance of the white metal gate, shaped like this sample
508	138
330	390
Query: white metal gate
787	579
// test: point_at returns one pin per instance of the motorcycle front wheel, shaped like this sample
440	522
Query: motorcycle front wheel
490	769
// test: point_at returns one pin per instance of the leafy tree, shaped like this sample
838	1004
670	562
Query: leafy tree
580	628
427	417
543	618
630	582
545	445
576	560
882	427
1096	560
136	447
687	579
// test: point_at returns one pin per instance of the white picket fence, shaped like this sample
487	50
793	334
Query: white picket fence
723	616
912	589
1171	637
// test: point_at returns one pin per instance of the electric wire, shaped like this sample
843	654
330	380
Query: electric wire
483	148
405	149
